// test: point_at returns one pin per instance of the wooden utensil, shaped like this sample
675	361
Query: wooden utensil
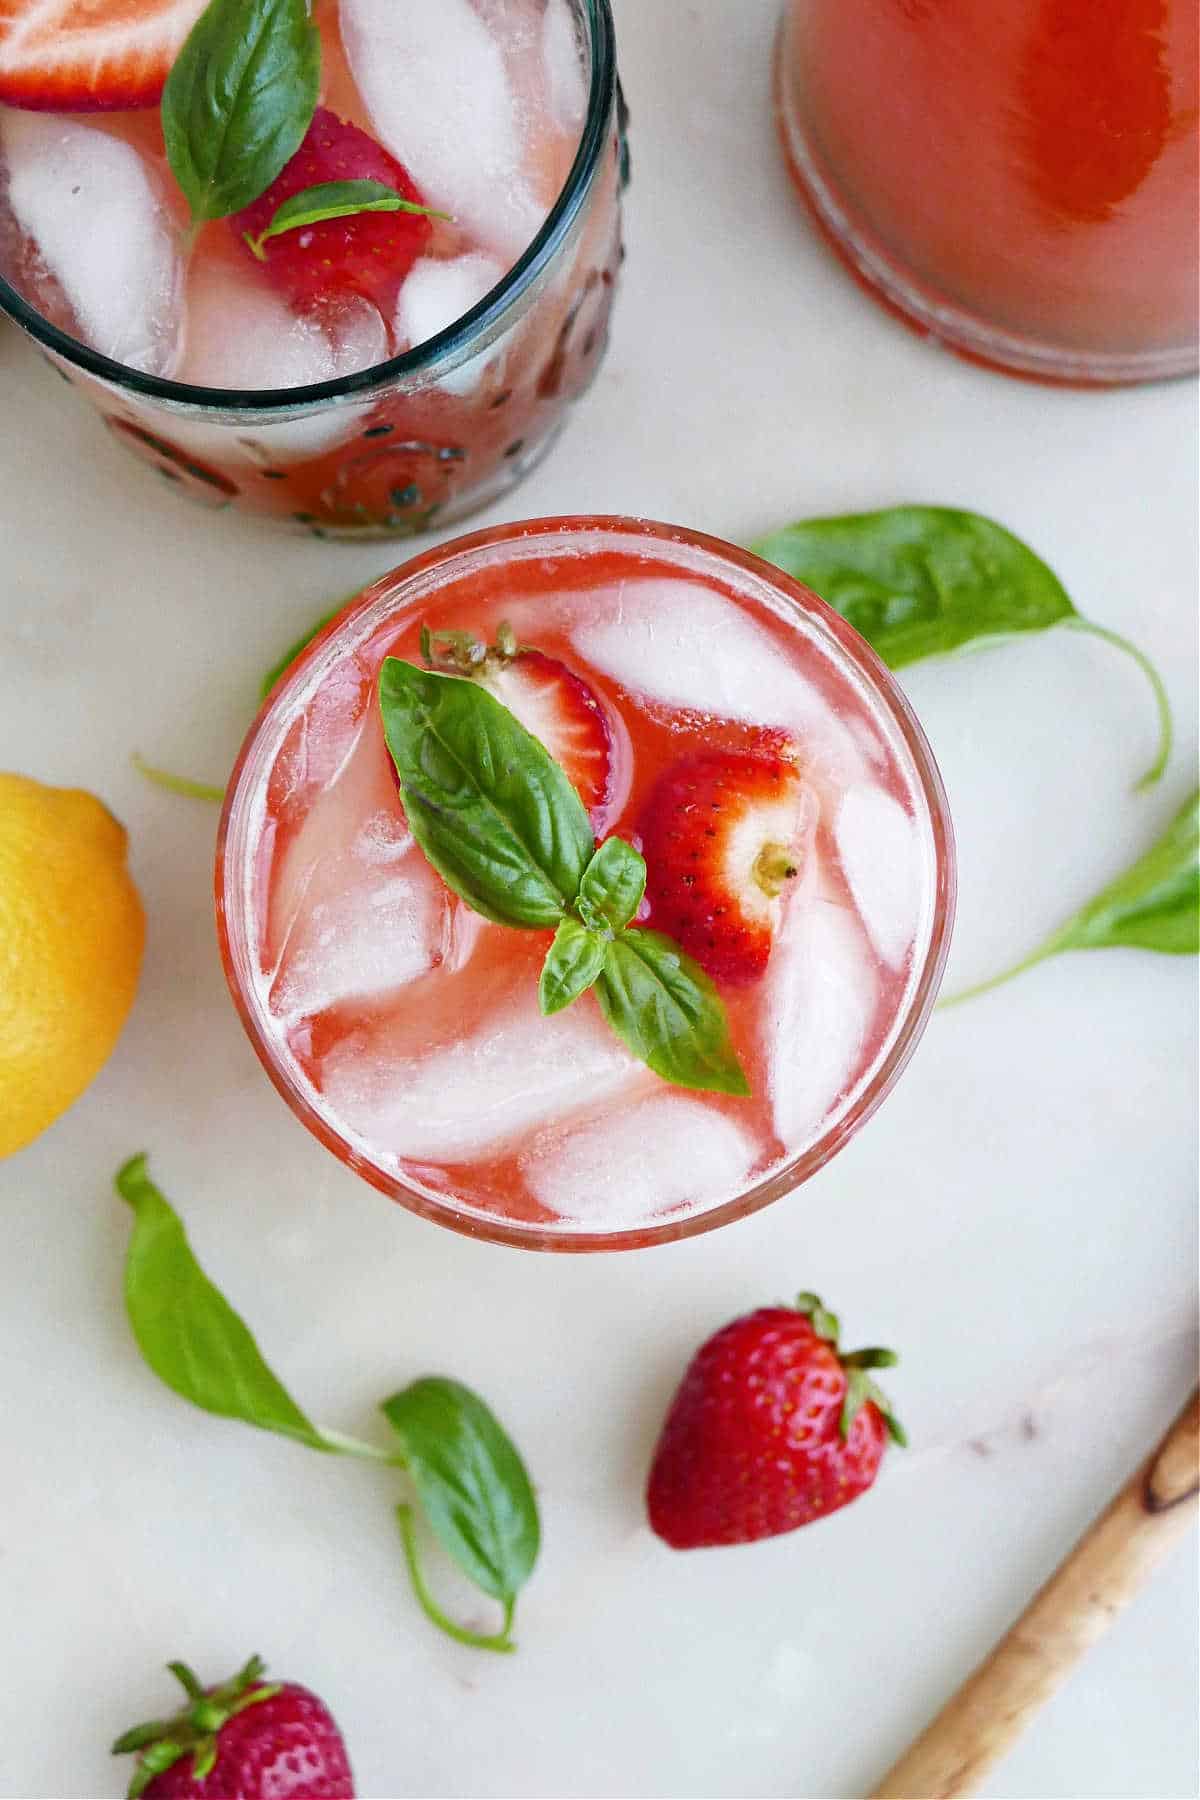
1076	1606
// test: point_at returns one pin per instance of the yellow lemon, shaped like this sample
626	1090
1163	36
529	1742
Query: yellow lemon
71	935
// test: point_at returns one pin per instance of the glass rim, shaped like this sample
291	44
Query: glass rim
475	324
906	1028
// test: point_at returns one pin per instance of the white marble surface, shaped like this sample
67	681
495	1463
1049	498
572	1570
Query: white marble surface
1019	1219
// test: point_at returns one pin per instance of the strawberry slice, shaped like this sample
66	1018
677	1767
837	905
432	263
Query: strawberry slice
90	55
721	834
551	701
368	253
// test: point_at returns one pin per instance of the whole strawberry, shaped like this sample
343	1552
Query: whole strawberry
245	1740
368	253
772	1428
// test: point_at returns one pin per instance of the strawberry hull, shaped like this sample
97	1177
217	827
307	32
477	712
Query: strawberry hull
403	1029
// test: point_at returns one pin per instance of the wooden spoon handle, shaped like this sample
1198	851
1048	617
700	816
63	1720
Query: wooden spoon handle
1076	1606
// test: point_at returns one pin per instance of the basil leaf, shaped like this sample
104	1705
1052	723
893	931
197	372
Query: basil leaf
471	1483
239	100
333	200
573	963
1154	905
919	581
187	1331
612	886
667	1012
489	806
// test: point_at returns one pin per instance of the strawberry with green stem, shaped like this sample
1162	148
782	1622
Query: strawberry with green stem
247	1737
773	1426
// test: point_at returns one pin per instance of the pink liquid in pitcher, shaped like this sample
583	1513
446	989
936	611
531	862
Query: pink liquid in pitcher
1020	176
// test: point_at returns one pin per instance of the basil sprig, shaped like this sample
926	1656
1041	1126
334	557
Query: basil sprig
474	1490
500	822
920	581
1153	905
465	1470
333	200
239	100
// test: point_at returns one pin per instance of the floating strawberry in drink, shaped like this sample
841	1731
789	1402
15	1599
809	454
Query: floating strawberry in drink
549	699
772	1427
87	57
245	1740
367	253
722	835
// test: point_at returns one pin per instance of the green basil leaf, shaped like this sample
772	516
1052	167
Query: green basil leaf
188	1332
334	200
1154	905
573	964
665	1009
919	581
239	100
471	1483
489	806
612	886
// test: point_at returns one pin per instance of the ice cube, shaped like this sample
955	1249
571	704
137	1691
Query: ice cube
242	334
435	84
92	209
361	929
633	1164
548	145
679	643
510	1072
823	995
566	88
435	295
879	852
331	790
355	910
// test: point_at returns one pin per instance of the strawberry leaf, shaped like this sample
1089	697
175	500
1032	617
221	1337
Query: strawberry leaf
239	100
573	964
665	1010
334	200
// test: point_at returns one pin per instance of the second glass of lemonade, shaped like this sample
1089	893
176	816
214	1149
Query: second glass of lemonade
370	376
727	725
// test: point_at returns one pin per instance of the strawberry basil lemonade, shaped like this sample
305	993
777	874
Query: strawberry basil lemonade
361	298
1019	177
726	735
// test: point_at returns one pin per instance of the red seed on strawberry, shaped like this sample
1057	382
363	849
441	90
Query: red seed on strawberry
245	1740
551	701
367	253
772	1427
722	836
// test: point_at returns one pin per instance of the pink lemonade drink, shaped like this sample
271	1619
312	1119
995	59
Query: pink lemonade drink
370	372
1019	178
724	733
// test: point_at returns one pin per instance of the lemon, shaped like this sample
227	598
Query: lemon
71	935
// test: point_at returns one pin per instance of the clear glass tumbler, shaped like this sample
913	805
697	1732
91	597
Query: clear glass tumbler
322	716
429	436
